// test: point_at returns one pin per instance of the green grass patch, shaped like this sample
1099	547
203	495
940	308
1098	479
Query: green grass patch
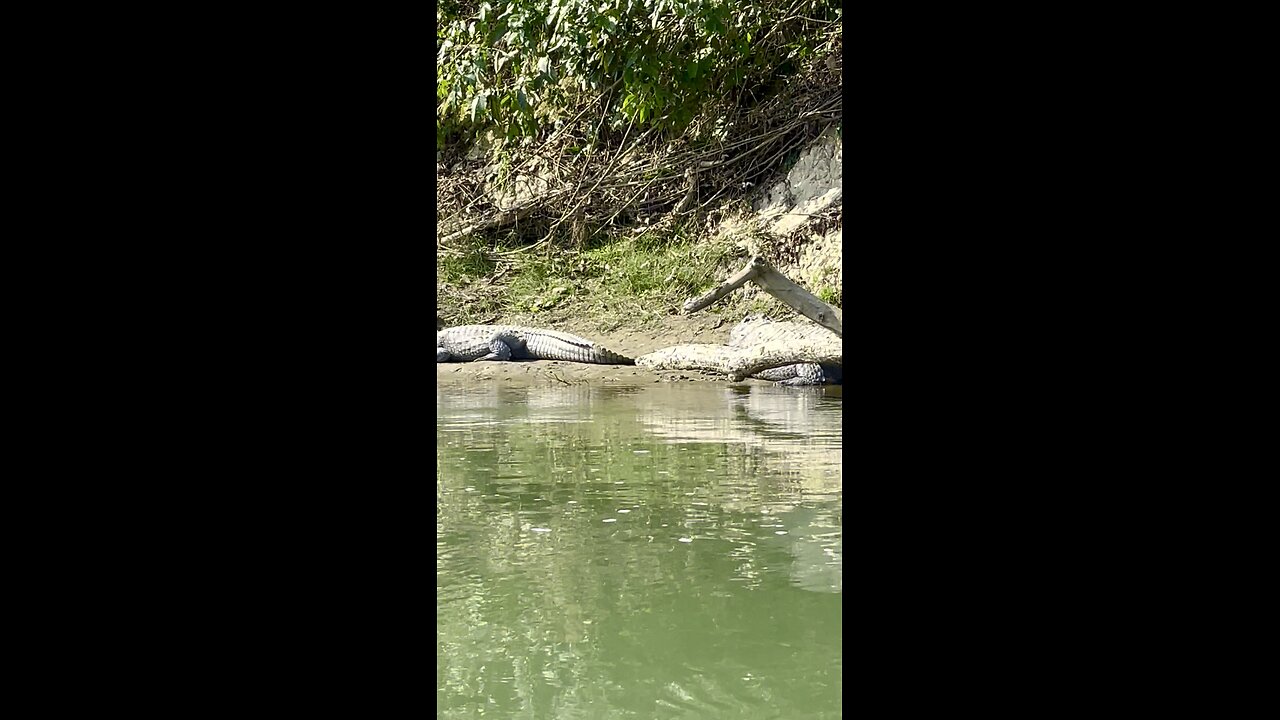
633	280
461	269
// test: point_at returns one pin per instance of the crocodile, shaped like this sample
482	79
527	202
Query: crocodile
756	339
754	330
466	343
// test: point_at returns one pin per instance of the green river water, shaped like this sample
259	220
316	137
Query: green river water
669	551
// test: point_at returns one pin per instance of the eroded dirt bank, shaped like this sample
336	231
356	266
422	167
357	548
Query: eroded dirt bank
801	211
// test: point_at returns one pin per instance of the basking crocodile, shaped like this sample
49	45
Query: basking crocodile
758	329
465	343
760	343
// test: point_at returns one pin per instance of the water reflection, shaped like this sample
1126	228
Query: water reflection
665	551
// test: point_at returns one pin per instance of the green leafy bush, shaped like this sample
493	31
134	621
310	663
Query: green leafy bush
521	66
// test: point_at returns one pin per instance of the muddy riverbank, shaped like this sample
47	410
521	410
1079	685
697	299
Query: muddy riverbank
630	341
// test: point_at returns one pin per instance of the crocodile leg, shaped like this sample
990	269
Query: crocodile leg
442	355
788	374
498	350
802	374
505	346
800	381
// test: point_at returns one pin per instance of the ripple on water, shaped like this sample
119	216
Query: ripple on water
658	584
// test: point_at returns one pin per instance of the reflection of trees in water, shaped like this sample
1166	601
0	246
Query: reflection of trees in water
517	633
815	539
793	432
766	434
737	449
570	621
536	399
538	619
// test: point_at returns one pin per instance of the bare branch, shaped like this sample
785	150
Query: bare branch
759	271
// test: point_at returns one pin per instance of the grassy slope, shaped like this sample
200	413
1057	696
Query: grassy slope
634	279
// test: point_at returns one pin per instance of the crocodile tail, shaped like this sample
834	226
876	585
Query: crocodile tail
609	357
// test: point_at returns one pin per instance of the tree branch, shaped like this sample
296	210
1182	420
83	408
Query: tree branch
759	271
